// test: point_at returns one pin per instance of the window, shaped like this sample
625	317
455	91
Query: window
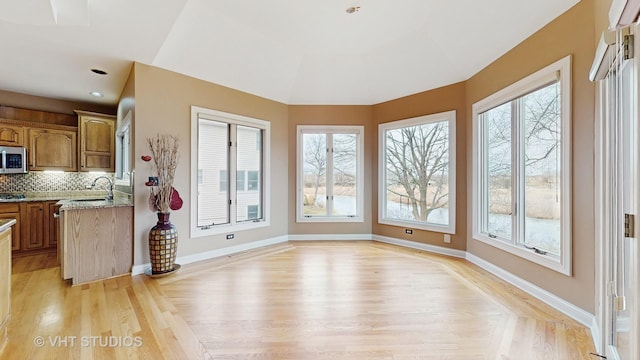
230	157
123	152
417	172
330	168
522	170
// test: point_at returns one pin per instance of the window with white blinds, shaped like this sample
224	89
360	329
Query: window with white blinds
230	162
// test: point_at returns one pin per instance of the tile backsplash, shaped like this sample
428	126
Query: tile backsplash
47	181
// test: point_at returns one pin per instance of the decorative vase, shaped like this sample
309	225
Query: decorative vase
163	244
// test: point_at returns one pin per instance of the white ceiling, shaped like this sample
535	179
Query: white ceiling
292	51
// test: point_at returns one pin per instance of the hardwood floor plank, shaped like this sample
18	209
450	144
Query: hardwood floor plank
300	300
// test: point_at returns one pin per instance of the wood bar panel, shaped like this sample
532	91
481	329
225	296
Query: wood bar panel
5	284
97	243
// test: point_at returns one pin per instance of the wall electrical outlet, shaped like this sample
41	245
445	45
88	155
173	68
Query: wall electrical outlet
447	238
230	236
408	231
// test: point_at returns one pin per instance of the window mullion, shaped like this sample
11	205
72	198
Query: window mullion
329	175
484	174
517	170
233	169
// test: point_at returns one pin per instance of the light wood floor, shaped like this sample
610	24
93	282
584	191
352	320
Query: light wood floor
301	300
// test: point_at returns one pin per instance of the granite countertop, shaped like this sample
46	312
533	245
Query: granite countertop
71	200
50	195
93	203
6	223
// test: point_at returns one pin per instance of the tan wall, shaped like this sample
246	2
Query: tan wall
163	105
330	115
571	33
443	99
33	102
601	17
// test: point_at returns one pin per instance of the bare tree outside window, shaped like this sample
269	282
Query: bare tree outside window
521	180
497	122
542	168
331	177
315	165
534	120
417	171
344	174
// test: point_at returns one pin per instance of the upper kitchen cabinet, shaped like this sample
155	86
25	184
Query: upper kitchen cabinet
97	141
52	149
11	135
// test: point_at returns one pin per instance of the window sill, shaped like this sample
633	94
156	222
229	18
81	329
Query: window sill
228	228
551	262
326	219
445	229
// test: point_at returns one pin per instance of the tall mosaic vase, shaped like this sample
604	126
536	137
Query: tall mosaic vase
163	245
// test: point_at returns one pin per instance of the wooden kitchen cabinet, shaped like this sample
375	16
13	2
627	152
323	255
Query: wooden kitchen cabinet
51	241
12	211
33	233
97	141
11	135
35	229
52	149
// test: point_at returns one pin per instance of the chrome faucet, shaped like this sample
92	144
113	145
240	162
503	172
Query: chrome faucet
110	194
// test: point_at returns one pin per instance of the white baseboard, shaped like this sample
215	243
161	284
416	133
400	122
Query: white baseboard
583	317
188	259
420	246
329	237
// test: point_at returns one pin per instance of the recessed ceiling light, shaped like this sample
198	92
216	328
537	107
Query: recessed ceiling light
352	9
99	72
96	94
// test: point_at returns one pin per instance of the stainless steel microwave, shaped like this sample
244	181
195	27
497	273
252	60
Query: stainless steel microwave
14	160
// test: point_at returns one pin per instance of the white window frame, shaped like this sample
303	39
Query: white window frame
123	151
450	117
335	129
198	113
561	70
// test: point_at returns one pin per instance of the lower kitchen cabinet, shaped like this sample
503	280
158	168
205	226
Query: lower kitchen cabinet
34	217
36	229
51	241
12	211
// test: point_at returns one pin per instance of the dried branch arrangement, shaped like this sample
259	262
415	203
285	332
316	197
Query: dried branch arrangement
164	151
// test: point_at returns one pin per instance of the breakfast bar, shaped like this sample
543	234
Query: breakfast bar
5	277
95	239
